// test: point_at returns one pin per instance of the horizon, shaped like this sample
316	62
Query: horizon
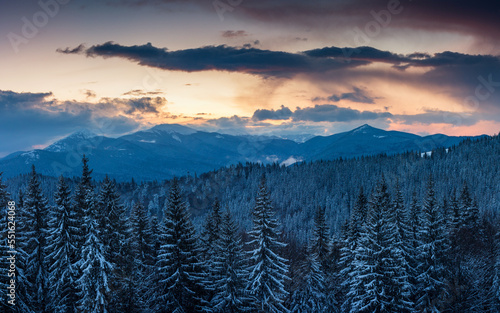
277	68
294	139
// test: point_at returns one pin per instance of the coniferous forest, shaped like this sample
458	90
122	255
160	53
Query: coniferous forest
404	233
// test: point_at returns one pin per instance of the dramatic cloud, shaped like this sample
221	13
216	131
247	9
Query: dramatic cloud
283	113
36	119
318	113
333	113
358	95
458	73
221	58
138	105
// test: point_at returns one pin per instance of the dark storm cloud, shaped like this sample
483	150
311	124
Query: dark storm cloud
318	113
234	121
457	74
333	113
222	58
138	105
357	95
10	100
283	113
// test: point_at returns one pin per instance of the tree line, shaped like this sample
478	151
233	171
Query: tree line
90	253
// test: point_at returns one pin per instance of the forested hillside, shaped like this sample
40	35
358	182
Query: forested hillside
404	233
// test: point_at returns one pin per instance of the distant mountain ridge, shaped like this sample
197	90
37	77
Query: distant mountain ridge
169	150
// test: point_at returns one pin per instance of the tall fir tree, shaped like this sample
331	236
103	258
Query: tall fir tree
178	262
138	259
110	215
210	239
321	247
94	283
36	215
81	206
379	281
268	270
433	249
352	234
229	271
311	296
63	234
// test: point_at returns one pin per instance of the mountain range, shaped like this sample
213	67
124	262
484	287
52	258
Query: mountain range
169	150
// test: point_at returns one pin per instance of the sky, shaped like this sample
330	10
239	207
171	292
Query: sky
271	67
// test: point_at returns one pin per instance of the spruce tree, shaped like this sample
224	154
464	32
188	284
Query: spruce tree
311	296
36	211
112	230
210	238
321	247
379	281
432	252
81	206
229	271
138	260
350	242
178	259
63	235
94	283
268	270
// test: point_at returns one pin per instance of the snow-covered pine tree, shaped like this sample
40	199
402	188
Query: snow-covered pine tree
210	237
321	247
431	271
96	270
83	192
112	228
379	279
311	295
321	239
63	234
229	271
138	259
178	262
398	269
268	270
35	215
81	206
352	234
470	212
154	233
